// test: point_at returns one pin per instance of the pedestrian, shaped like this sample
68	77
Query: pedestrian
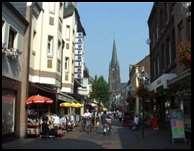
120	116
154	122
136	122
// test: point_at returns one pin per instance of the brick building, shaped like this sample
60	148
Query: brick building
169	25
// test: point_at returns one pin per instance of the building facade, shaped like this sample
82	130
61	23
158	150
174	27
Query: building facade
142	68
169	26
114	77
69	34
14	71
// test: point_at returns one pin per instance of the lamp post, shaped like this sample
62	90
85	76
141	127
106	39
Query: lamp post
142	80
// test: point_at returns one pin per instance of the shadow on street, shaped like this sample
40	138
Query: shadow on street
53	144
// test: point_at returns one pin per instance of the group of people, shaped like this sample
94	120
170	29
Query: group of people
152	122
94	119
53	125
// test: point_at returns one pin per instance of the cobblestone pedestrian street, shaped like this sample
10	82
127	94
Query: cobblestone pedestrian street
120	138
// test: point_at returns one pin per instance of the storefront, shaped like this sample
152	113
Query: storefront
181	85
10	100
8	112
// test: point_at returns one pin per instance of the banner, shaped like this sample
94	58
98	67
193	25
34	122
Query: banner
177	124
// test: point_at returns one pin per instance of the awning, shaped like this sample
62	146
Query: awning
65	97
72	104
37	99
76	105
65	104
162	81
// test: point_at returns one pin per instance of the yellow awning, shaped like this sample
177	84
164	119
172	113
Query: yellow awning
76	105
65	104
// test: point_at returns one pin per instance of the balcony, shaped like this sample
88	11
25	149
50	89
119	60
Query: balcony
12	53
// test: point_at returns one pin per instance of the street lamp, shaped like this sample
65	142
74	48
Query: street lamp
143	78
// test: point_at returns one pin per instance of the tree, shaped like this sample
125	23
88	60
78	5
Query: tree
184	53
100	90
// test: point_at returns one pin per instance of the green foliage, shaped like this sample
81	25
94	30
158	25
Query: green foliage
100	90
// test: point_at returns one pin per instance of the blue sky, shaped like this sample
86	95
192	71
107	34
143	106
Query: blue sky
126	22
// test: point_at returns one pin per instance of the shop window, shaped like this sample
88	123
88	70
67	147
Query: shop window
8	112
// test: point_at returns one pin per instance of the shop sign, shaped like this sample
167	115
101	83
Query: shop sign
177	124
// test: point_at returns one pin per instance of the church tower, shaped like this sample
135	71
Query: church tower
114	75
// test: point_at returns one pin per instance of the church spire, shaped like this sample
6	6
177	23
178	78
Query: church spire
114	55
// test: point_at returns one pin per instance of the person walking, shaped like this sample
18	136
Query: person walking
154	122
136	122
120	116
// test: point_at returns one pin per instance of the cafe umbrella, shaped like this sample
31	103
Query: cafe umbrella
38	99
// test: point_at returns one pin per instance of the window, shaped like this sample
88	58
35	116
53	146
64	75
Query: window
61	4
34	34
157	30
180	31
50	45
12	35
68	32
162	58
167	53
158	65
173	46
67	45
188	24
58	65
66	63
66	76
59	44
49	63
63	43
170	51
66	4
52	7
51	20
60	26
3	23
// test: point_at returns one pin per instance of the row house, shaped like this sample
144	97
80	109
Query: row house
38	57
15	56
137	72
169	26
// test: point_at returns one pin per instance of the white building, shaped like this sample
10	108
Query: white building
69	33
46	46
